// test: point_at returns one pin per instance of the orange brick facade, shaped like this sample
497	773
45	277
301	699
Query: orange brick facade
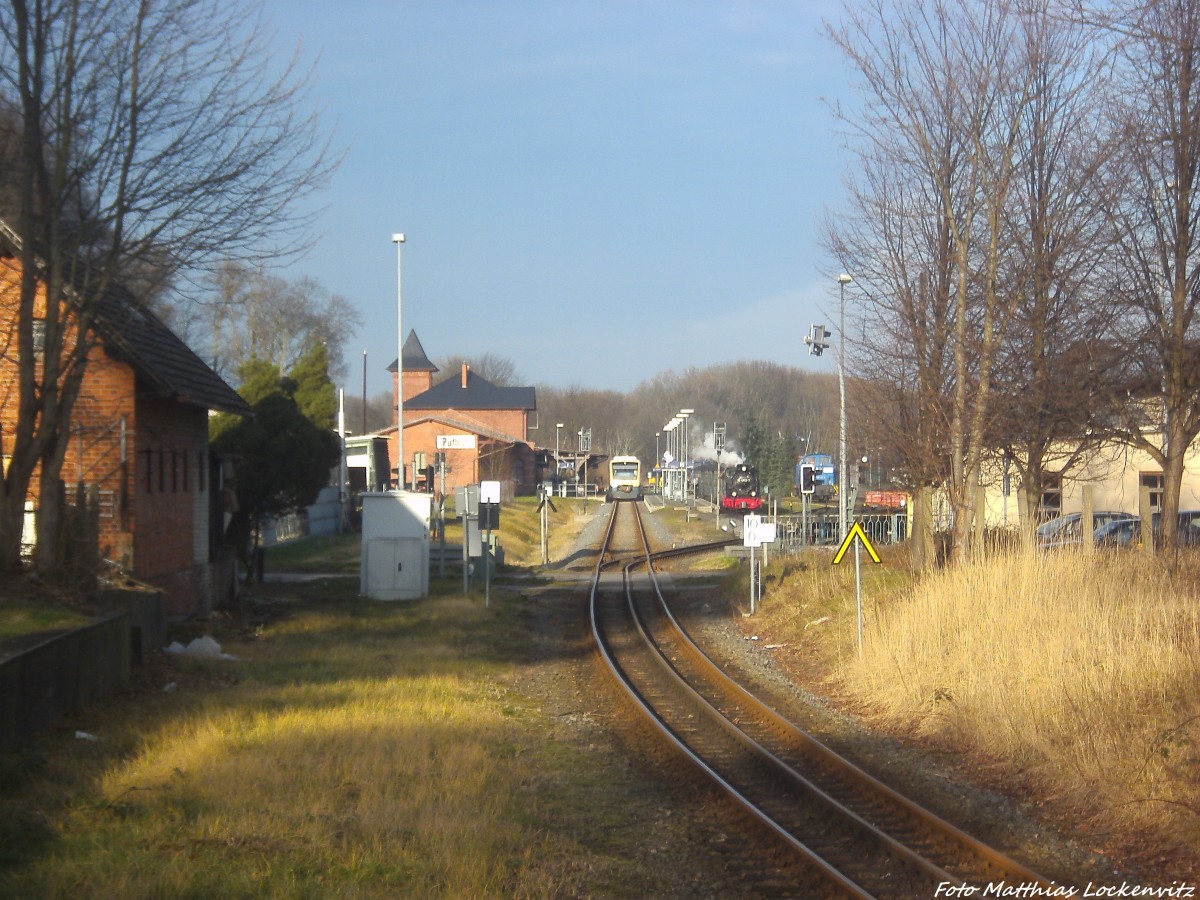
502	452
146	456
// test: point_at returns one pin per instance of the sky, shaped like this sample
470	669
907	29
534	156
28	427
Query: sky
596	190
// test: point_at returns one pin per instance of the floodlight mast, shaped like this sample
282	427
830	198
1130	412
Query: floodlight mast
398	240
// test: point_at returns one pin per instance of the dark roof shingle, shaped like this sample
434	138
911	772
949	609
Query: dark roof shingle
478	394
131	332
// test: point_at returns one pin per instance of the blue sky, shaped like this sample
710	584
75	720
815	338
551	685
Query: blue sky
597	191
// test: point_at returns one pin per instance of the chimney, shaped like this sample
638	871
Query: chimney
465	369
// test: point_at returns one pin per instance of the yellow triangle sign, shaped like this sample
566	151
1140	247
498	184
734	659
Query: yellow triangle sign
856	531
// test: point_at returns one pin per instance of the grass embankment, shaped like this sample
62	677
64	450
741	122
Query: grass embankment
352	749
20	617
519	536
1073	676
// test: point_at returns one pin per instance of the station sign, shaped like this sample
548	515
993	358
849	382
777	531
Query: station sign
456	442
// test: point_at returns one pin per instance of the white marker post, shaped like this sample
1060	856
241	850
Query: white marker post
489	492
751	538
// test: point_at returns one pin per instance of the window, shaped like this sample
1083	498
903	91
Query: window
1151	484
1051	500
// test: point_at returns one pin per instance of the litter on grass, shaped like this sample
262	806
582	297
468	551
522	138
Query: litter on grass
202	647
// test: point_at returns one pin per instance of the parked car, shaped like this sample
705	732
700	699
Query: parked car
1119	533
1187	527
1066	531
1128	532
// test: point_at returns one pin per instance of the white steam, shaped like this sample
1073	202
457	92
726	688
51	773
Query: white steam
706	451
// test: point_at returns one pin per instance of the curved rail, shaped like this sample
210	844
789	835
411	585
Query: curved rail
746	706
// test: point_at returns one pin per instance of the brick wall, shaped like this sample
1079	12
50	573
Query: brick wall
172	479
146	456
515	465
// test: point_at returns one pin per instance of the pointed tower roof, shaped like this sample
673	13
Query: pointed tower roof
415	359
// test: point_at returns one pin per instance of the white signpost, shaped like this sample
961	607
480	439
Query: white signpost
489	492
756	533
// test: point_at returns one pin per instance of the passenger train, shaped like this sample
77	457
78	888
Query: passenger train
624	478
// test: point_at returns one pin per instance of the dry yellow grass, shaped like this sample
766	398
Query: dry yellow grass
1076	672
365	750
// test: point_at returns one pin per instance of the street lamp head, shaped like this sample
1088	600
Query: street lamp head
397	239
844	279
559	425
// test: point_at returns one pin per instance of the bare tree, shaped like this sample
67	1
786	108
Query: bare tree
1154	179
944	95
490	367
151	137
1058	240
250	313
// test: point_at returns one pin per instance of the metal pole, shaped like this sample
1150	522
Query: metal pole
341	396
442	522
753	580
858	590
843	280
398	239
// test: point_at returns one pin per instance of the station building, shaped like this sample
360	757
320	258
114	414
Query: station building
482	428
139	441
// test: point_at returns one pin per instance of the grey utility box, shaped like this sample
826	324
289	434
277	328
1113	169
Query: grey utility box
395	545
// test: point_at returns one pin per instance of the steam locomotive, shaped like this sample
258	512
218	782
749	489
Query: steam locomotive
739	490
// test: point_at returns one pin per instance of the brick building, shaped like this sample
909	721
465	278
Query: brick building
464	406
140	439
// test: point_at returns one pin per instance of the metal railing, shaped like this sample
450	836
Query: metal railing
822	529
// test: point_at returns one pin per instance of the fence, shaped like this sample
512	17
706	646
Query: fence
822	529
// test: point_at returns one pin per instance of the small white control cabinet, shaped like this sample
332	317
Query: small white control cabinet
395	545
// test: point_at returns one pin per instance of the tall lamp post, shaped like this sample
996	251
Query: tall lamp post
398	240
558	466
675	453
843	480
683	414
668	477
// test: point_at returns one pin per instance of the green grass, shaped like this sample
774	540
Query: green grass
21	617
337	554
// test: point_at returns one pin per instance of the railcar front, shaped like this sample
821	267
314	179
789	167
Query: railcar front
624	478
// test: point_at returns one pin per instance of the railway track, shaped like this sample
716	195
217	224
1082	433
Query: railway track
857	837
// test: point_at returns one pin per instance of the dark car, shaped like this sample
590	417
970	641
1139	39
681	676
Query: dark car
1187	527
1119	533
1066	531
1128	532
